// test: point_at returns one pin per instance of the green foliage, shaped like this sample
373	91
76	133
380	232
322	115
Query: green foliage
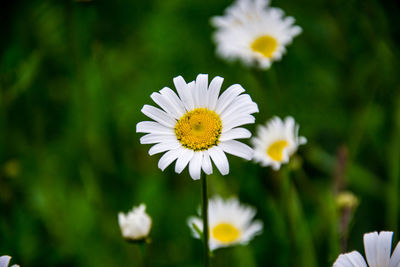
74	76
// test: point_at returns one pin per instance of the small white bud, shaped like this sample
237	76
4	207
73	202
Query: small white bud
136	224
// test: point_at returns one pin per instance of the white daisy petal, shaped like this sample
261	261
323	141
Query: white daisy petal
169	102
183	160
237	149
158	115
352	259
242	105
206	164
302	140
237	133
254	229
228	96
343	261
260	4
191	124
356	259
163	103
168	158
384	248
195	165
184	92
395	259
296	30
164	146
191	88
238	121
156	138
213	91
174	100
220	160
275	166
371	248
201	90
4	261
153	127
214	245
289	123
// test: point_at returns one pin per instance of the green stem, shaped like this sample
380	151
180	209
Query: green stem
268	80
205	220
298	226
142	252
394	171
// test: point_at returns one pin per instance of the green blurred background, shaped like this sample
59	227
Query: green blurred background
74	76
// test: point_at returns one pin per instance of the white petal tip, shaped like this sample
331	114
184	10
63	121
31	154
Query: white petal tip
225	172
195	177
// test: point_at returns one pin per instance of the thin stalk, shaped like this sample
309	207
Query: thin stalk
205	220
394	171
302	239
142	251
268	80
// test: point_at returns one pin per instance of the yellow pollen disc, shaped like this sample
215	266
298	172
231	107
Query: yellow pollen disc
199	129
276	148
225	233
265	45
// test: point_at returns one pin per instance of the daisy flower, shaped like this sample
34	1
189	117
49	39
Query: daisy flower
230	223
276	142
197	125
253	32
377	251
5	260
136	224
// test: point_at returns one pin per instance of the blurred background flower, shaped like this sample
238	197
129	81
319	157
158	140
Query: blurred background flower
276	142
230	223
253	32
136	224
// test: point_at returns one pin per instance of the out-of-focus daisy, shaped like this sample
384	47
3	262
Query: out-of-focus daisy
276	142
253	32
198	125
5	260
230	223
136	224
377	251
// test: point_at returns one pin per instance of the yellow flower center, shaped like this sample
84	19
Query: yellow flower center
225	233
265	45
199	129
276	148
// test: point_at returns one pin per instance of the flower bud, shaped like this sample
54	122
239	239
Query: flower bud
346	200
136	224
